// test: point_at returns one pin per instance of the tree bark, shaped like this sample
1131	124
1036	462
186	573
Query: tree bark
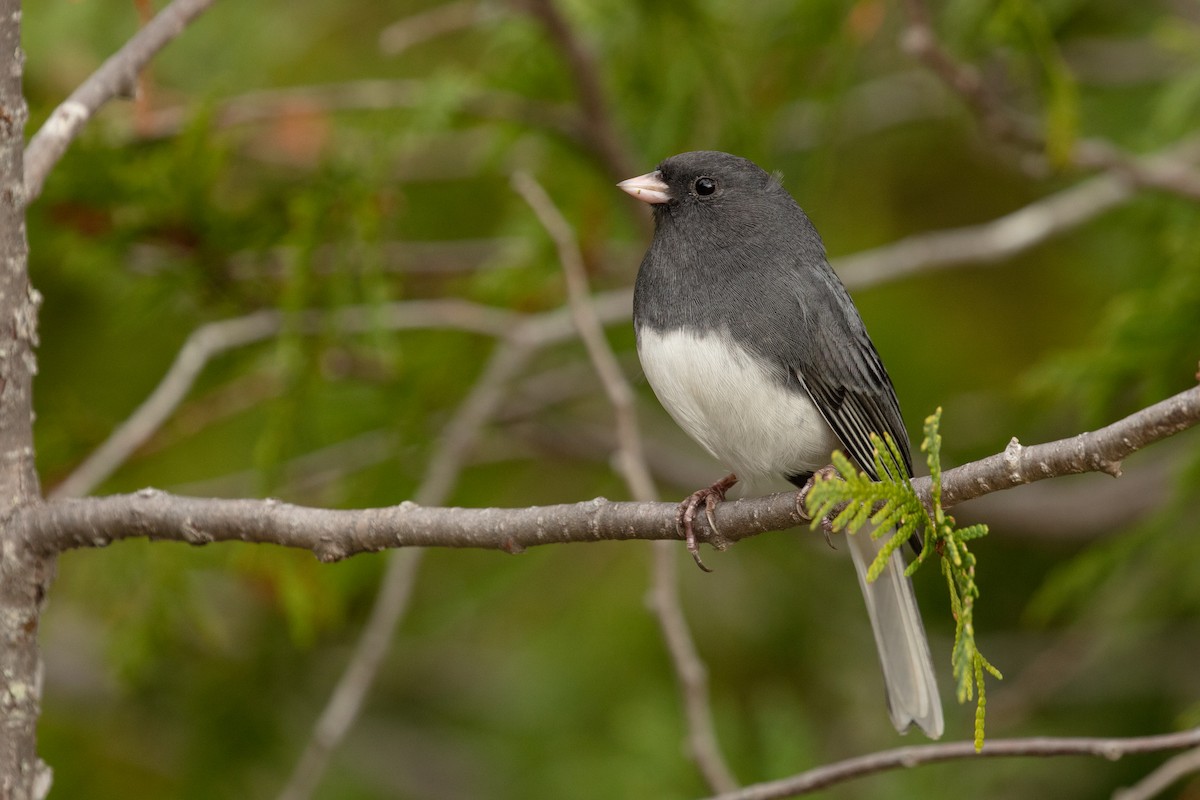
24	576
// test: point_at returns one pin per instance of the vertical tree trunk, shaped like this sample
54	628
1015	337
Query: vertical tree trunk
23	576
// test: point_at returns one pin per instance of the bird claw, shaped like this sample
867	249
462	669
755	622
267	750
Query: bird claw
824	473
686	515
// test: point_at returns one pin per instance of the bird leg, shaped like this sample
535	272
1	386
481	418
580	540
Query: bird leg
686	514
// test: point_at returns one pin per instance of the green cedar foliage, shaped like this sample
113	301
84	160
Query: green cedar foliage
895	510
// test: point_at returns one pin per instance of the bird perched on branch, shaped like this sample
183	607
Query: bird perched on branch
752	344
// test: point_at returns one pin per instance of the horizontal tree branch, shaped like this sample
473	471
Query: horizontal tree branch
905	757
1095	451
335	534
1066	511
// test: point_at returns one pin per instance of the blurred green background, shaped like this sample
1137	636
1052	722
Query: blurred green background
183	672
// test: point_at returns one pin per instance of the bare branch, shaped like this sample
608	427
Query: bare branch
1170	169
1069	511
116	76
989	242
1095	451
475	412
336	534
1047	510
907	757
620	395
664	591
201	346
1161	779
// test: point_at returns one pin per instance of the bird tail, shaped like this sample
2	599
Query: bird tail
912	691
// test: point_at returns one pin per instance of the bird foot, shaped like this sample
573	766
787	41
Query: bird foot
686	515
824	473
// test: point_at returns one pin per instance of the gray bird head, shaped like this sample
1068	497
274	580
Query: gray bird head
708	195
707	201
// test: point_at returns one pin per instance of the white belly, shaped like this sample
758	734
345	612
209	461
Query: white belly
734	407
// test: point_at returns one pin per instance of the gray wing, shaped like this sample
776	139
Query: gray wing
842	372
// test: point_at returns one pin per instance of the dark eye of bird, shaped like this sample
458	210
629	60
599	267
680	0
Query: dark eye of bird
705	186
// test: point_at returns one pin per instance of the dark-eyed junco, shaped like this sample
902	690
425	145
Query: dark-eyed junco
753	345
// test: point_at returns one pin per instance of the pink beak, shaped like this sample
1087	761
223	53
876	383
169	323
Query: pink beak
649	188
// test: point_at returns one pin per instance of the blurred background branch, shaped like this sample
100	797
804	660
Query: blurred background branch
632	465
117	77
391	601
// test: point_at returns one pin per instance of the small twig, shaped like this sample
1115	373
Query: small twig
908	757
664	592
1162	778
214	338
480	406
200	347
116	76
591	331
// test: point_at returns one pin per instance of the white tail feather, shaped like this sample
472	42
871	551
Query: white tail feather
912	691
